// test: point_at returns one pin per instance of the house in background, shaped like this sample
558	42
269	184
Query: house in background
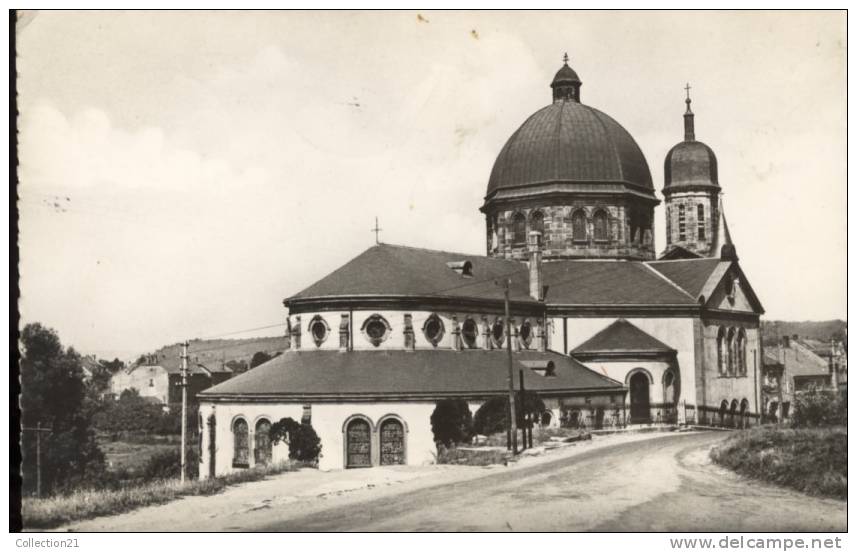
795	365
159	379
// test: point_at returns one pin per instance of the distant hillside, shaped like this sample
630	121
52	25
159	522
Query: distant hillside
822	330
215	351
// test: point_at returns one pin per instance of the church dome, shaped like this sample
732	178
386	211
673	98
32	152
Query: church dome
690	163
570	143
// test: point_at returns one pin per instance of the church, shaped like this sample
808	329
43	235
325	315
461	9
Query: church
607	332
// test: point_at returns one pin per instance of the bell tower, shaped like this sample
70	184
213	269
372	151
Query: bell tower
691	192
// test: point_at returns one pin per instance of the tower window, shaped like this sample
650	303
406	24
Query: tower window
519	229
599	221
669	226
578	226
700	222
681	224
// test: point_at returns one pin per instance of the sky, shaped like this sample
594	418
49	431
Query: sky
181	173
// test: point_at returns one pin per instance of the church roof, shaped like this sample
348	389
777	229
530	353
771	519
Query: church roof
621	337
574	145
397	272
689	274
609	282
421	374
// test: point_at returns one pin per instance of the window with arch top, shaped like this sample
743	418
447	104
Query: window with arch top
600	226
578	226
519	229
537	222
241	444
700	222
721	350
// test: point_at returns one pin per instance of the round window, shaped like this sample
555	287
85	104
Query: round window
497	332
376	329
318	330
433	329
470	333
526	333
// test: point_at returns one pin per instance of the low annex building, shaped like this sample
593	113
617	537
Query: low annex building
604	333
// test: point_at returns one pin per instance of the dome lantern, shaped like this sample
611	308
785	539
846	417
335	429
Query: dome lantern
566	84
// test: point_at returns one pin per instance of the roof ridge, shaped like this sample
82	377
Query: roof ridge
682	260
399	246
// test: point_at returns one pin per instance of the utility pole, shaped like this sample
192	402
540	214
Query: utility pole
512	422
39	430
184	411
756	386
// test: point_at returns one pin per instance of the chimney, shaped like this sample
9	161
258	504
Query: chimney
535	248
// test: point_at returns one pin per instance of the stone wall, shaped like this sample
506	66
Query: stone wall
630	234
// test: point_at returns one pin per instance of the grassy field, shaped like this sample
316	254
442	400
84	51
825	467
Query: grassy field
48	513
814	461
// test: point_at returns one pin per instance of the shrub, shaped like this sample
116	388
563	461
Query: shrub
820	408
451	422
304	443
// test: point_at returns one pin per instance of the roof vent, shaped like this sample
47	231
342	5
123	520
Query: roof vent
464	268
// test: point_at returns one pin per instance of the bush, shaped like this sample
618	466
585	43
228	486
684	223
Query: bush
819	408
451	422
304	443
814	461
491	416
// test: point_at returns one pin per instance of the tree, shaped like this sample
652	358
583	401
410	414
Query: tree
451	422
260	357
304	443
237	366
491	416
53	394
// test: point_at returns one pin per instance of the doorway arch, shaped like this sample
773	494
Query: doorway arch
639	384
358	443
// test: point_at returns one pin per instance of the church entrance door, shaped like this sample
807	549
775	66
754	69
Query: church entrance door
392	443
640	399
358	448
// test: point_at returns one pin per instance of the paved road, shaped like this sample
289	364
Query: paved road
664	484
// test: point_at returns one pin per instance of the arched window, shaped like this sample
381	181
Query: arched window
241	454
721	350
681	224
537	222
730	351
519	229
578	226
742	351
700	222
262	450
599	223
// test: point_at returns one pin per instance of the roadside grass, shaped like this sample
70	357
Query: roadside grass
51	512
811	460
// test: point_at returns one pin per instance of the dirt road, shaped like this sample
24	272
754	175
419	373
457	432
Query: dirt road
620	483
655	485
